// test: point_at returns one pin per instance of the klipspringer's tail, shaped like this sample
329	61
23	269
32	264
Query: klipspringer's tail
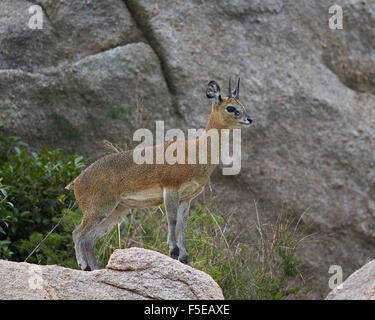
70	186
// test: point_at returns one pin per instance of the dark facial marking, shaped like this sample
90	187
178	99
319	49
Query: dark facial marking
234	110
231	109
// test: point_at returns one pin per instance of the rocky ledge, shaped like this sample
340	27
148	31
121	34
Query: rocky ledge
359	286
132	273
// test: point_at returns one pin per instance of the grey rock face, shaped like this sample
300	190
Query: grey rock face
309	89
57	93
131	274
87	27
118	76
22	47
71	30
359	286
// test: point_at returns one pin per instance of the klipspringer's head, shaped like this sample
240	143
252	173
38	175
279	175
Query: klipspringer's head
229	111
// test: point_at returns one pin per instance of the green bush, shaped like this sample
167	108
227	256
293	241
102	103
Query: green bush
57	248
33	198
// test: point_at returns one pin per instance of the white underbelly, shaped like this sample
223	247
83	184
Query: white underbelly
154	196
143	195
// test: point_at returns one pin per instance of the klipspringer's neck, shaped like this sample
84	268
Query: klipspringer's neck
214	121
216	136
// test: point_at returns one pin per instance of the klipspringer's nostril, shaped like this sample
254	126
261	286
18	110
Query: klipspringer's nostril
249	119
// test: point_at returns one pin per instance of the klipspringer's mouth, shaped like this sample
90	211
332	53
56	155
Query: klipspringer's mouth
244	124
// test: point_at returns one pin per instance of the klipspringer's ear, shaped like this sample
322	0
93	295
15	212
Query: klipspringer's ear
213	92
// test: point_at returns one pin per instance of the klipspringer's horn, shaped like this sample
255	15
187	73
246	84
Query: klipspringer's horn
238	89
236	92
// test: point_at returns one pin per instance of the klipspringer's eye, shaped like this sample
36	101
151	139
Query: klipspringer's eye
231	109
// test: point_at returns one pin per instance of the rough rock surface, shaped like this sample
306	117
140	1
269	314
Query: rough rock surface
71	30
309	89
132	273
78	79
359	286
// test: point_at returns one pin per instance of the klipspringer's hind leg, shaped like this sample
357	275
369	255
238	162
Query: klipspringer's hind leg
80	249
111	220
182	218
86	234
84	246
98	231
88	243
171	203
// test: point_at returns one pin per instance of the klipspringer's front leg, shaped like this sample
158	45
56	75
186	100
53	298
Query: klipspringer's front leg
182	219
171	203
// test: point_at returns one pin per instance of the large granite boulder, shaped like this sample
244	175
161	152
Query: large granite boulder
133	273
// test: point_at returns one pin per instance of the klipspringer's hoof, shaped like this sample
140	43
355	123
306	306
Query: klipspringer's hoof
175	252
184	260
